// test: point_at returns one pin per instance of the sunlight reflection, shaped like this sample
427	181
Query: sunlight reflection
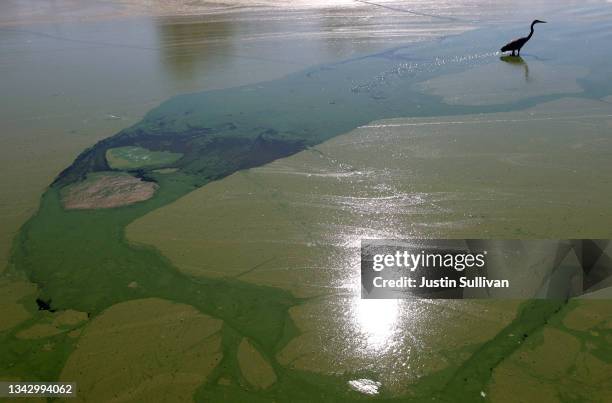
377	320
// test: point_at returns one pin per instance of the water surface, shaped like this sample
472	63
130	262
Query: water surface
330	346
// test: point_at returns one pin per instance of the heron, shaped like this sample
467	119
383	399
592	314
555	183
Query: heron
517	44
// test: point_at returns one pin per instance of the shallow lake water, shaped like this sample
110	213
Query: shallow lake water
75	72
444	137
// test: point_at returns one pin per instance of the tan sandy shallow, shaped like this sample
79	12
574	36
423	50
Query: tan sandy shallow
588	315
256	370
12	312
47	323
557	365
107	190
145	350
39	331
50	324
69	317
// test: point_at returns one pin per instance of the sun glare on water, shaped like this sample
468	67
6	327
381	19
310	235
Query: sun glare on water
376	320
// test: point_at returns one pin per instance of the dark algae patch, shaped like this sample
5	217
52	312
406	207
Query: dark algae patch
80	259
44	305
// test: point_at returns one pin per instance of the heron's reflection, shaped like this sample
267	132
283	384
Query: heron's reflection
517	61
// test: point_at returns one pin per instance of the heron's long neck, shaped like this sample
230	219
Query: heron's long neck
531	33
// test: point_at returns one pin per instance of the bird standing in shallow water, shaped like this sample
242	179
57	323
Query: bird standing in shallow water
517	44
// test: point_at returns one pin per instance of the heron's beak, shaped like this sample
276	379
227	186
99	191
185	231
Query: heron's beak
543	22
